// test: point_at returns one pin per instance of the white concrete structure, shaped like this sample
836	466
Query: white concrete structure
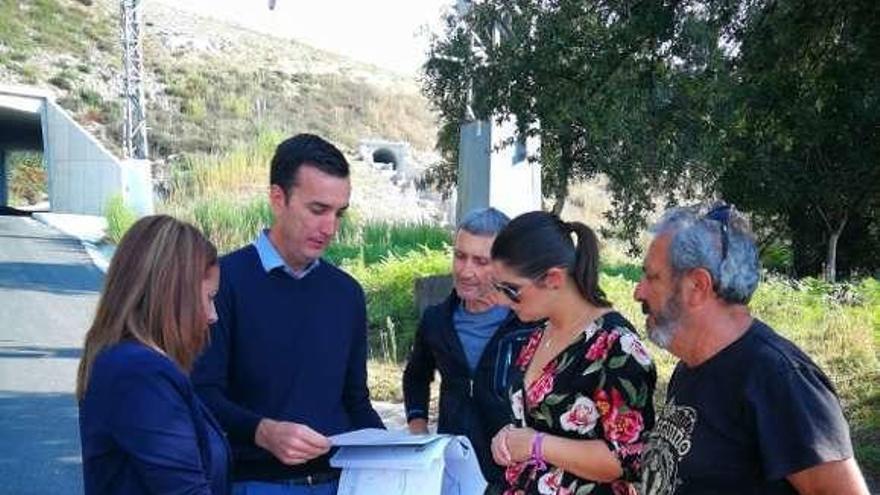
493	169
82	174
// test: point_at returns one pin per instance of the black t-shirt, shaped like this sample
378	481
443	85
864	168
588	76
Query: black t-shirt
742	421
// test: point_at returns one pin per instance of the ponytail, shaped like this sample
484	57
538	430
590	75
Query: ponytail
586	264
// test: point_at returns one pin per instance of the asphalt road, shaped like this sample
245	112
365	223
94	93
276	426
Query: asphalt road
48	291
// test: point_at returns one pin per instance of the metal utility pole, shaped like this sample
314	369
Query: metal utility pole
135	133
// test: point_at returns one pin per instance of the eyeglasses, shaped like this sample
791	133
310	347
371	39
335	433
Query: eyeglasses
721	214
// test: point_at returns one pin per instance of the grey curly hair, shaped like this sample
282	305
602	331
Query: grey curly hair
718	239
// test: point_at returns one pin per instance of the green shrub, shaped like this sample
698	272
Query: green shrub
63	80
195	108
90	97
391	309
119	218
27	178
629	271
30	73
238	106
777	258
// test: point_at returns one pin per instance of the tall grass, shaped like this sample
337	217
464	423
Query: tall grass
229	224
243	171
371	242
224	194
119	218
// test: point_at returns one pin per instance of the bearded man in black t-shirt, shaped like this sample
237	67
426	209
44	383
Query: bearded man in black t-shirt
747	412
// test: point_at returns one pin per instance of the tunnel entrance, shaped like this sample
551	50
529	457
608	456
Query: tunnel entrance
23	178
384	155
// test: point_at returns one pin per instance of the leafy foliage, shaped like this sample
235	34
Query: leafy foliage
771	104
803	143
389	286
27	177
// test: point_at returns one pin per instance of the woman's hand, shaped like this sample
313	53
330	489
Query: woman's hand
500	452
512	445
519	443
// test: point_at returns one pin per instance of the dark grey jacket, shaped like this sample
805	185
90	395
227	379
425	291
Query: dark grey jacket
475	405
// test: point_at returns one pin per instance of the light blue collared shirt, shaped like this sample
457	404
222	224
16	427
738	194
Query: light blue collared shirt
271	260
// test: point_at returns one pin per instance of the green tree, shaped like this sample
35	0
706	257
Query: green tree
564	69
804	142
772	104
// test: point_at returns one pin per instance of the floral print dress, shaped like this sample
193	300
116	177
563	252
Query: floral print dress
599	387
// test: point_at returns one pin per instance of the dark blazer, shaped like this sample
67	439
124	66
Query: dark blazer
143	429
475	405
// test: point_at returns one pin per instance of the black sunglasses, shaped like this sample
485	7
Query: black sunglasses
721	214
512	291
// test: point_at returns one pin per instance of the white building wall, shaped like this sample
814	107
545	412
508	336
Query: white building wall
493	172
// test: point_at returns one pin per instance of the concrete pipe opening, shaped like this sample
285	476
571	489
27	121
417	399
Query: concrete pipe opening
383	155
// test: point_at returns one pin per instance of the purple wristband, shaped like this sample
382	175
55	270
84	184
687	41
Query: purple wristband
537	459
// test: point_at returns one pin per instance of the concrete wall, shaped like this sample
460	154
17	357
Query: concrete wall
82	175
492	172
474	157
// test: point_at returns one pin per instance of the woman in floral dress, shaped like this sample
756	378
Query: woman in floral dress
584	402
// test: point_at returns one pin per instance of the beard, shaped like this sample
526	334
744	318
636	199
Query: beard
666	321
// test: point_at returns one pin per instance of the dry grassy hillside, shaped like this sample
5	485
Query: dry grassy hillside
208	84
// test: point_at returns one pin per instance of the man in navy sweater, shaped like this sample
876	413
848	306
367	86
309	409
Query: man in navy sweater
286	366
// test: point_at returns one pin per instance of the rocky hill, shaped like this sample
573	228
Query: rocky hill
209	85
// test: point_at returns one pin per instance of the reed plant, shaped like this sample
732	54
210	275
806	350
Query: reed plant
119	218
243	171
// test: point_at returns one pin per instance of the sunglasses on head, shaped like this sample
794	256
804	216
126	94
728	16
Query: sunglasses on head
721	214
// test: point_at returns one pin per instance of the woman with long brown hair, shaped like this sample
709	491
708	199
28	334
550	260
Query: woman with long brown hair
583	399
143	429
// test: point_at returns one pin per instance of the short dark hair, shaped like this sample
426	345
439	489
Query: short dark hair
307	149
535	242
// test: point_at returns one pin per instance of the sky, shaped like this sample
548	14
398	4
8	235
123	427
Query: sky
391	34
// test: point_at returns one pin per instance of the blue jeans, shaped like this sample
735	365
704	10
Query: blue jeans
282	488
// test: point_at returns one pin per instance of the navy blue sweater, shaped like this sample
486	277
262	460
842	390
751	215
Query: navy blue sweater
286	349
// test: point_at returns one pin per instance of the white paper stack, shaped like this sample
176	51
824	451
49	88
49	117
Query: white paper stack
381	462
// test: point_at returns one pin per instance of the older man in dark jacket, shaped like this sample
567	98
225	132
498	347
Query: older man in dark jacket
471	341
